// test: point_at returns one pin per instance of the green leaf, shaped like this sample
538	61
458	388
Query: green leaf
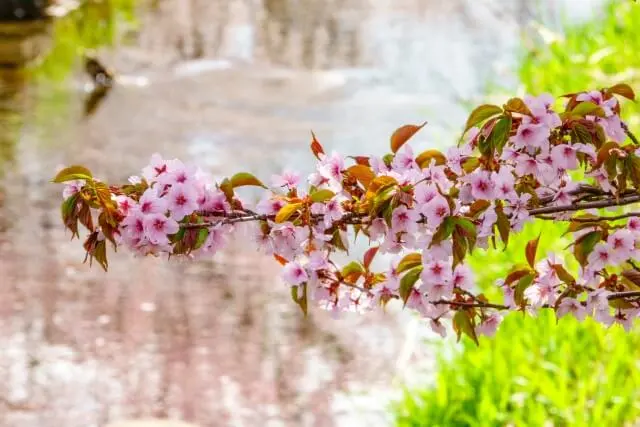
243	179
72	173
100	254
504	227
286	211
408	262
443	231
480	114
203	233
500	134
462	323
352	271
587	108
403	134
523	284
322	195
407	282
460	247
585	244
302	299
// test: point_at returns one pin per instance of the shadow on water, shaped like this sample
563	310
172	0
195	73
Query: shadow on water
232	84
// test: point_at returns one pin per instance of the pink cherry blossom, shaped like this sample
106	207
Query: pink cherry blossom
564	157
157	167
332	167
182	200
436	272
404	160
158	227
482	185
287	179
126	204
72	187
294	274
150	203
573	306
489	325
532	135
404	220
601	256
436	210
602	178
462	277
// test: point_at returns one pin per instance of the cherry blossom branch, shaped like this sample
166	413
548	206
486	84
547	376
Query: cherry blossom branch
582	206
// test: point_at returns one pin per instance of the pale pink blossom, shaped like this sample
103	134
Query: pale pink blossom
482	185
489	325
462	277
404	220
564	156
600	257
287	179
436	211
294	274
573	306
72	187
150	203
182	200
622	243
157	228
532	135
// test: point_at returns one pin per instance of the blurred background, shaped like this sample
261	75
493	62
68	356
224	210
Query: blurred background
237	85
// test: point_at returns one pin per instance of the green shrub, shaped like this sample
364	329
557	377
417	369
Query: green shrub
544	372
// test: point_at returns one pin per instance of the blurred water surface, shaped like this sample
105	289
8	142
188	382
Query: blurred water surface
231	85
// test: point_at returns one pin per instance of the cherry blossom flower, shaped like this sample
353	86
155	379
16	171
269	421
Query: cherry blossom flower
158	227
489	325
72	187
600	257
622	244
532	135
150	203
573	306
294	274
404	220
182	200
436	211
564	156
287	179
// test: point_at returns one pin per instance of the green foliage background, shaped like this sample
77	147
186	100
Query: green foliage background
540	371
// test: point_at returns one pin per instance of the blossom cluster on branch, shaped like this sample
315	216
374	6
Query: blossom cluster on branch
514	163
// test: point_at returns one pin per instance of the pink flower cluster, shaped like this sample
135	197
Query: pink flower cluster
429	210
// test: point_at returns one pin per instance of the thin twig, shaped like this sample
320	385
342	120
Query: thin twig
588	205
629	133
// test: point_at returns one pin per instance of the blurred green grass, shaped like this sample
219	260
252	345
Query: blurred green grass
541	371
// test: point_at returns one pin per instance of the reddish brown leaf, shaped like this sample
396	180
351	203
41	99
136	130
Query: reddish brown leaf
622	89
403	134
531	249
316	148
369	255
